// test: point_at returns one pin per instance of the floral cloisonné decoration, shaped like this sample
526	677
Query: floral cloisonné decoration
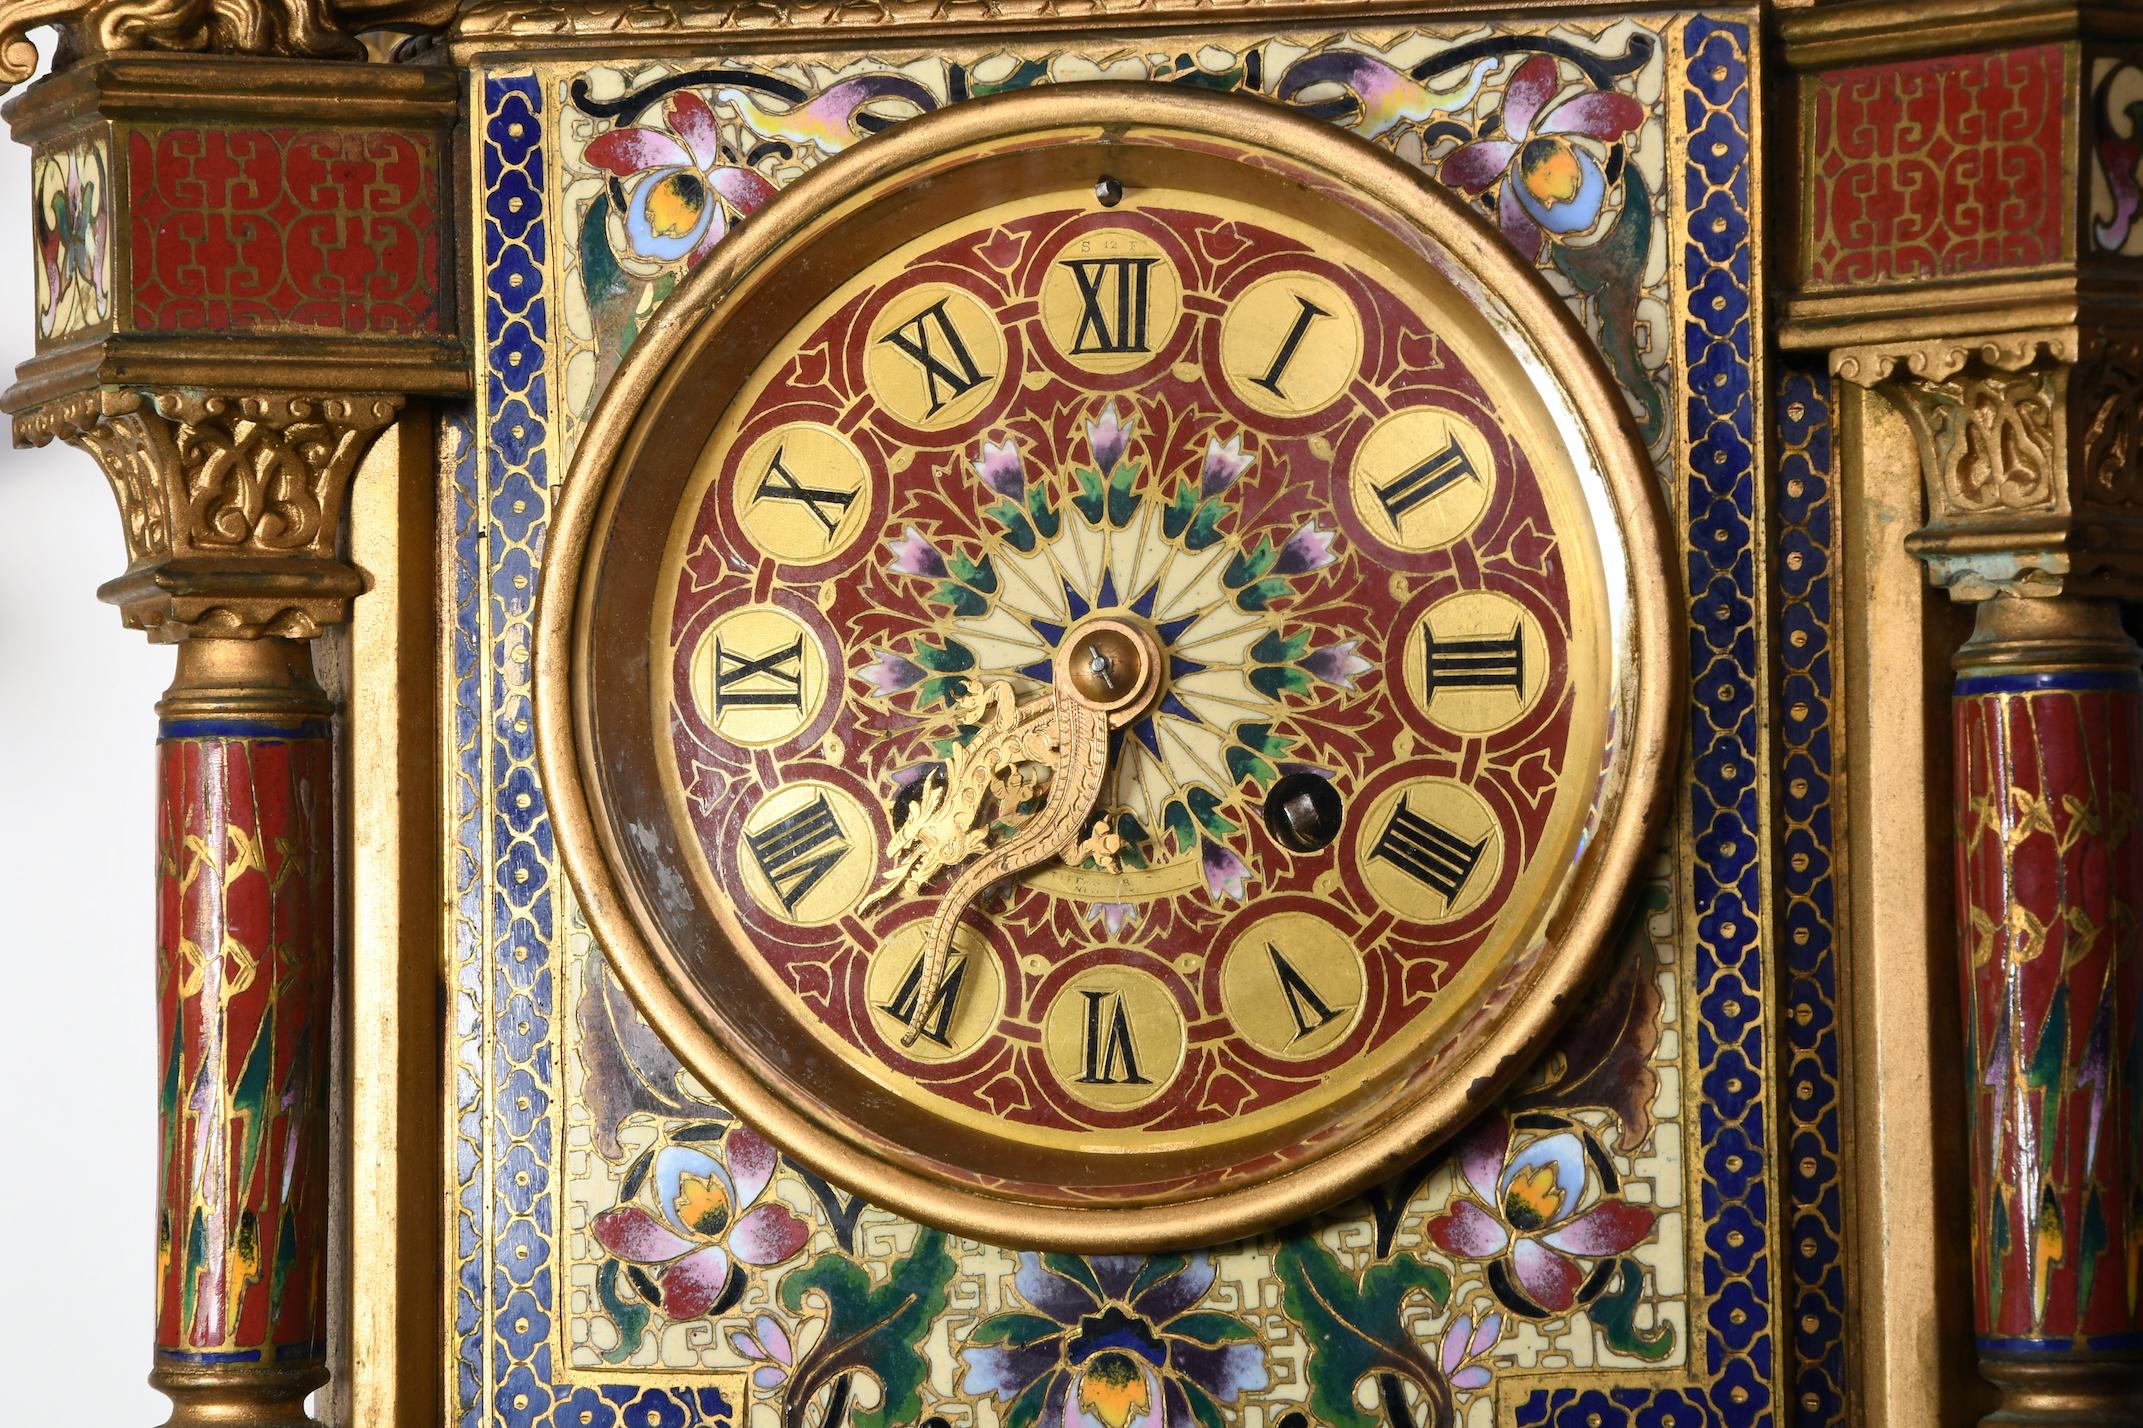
1542	1213
1551	159
1213	601
1114	1341
687	1253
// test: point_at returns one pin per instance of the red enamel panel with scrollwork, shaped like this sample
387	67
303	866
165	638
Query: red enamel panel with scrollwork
2049	866
1935	167
245	933
316	230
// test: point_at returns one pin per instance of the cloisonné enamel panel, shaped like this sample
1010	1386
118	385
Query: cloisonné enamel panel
1600	1244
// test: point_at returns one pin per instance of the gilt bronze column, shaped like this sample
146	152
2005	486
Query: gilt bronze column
244	274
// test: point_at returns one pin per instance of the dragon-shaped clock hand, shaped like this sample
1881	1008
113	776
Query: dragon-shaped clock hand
1106	672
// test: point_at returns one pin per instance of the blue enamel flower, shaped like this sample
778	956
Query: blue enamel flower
1113	1341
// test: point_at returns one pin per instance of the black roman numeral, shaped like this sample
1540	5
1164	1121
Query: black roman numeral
935	1019
780	484
1306	314
1426	853
1303	1004
1112	300
1486	662
779	676
1111	1055
951	371
797	851
1425	480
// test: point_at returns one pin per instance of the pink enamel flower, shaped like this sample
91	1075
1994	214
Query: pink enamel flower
1547	158
1535	1210
681	195
707	1222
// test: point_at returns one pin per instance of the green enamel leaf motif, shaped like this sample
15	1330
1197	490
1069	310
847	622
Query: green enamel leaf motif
1353	1325
871	1327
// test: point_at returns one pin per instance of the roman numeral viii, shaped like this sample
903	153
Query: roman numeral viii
775	678
1111	1054
797	851
1113	304
1427	853
935	345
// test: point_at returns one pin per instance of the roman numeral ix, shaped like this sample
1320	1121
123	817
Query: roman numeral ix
935	344
778	675
780	484
1430	855
1111	1055
1112	299
797	851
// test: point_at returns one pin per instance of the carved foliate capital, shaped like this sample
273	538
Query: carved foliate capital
231	502
2028	448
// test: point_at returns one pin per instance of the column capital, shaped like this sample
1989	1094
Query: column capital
298	29
231	502
2030	446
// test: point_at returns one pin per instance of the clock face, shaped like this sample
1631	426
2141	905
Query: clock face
1112	671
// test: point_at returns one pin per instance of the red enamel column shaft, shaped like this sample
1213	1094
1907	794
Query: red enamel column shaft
2049	769
245	944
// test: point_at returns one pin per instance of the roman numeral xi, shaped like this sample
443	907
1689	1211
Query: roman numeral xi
935	345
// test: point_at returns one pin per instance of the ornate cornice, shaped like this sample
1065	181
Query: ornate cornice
231	502
289	29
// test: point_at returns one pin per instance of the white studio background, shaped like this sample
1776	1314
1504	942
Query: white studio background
77	858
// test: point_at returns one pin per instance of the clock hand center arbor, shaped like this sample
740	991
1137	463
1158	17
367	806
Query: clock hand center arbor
1106	673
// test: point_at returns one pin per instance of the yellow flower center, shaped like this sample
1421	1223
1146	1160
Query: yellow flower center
1533	1200
702	1205
1551	171
673	209
1113	1390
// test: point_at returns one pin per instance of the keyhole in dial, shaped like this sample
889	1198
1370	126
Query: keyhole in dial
1303	812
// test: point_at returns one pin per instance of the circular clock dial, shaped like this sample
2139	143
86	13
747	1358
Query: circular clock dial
1116	674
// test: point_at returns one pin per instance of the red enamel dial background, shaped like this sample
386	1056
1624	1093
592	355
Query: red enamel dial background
1335	580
